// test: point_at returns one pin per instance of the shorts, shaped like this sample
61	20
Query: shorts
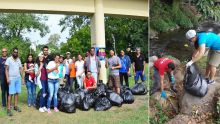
114	81
213	58
15	85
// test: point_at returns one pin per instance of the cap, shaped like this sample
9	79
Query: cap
31	65
67	52
190	34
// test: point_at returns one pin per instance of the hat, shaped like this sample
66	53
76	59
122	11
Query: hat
31	65
67	52
190	34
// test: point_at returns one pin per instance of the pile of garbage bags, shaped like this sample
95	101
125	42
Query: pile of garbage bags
100	99
194	82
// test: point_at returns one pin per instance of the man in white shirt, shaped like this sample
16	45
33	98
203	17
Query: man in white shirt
67	61
80	71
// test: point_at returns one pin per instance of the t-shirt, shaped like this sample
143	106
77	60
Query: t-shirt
139	63
67	62
53	74
211	40
161	65
2	66
72	70
89	82
93	65
79	67
125	61
114	61
14	67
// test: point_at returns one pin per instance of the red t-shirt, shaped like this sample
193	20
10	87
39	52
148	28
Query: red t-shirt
89	82
161	65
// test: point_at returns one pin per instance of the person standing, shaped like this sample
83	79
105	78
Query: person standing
92	64
30	84
4	85
72	74
41	74
139	66
62	71
203	41
114	65
67	61
124	71
13	72
80	72
47	57
53	82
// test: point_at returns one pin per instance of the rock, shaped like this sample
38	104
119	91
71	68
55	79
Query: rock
182	119
192	105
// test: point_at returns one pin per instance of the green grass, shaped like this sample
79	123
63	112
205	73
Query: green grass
136	113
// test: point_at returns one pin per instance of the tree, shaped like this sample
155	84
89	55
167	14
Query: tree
54	39
17	24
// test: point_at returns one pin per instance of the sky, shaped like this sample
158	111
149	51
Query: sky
53	24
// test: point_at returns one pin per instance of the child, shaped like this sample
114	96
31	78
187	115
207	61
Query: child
31	73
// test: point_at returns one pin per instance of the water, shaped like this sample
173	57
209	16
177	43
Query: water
175	44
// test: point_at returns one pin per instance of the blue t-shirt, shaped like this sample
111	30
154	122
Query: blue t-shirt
211	40
2	66
125	61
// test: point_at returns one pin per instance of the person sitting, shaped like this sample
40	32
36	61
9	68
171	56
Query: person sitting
89	81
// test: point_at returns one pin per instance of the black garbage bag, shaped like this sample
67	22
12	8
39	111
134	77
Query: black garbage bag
102	104
114	98
139	89
127	97
88	102
194	82
68	103
38	100
80	94
101	90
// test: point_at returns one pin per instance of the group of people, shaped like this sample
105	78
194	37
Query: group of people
50	73
202	42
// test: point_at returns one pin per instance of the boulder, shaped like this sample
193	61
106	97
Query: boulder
182	119
192	105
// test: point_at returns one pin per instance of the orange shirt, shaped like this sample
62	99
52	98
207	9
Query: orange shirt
72	70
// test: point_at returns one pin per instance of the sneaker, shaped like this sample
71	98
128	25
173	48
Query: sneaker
45	109
9	113
29	105
17	109
41	110
48	111
56	110
211	82
207	80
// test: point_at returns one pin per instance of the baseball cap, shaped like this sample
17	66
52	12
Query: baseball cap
190	34
67	52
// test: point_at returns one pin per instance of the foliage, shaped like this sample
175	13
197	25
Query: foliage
80	42
54	39
166	16
128	33
208	9
160	116
17	24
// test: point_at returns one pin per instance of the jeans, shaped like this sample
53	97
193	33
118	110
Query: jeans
139	74
4	88
31	91
43	99
53	86
124	76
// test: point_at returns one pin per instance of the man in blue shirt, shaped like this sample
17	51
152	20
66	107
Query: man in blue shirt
124	71
4	85
203	40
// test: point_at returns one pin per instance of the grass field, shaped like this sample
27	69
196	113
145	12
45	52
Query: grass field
136	113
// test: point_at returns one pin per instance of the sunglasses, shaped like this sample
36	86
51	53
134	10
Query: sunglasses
4	51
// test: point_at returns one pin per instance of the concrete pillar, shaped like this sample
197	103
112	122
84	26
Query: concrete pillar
98	34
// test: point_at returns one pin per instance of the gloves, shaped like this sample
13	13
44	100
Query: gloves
189	63
163	94
172	79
